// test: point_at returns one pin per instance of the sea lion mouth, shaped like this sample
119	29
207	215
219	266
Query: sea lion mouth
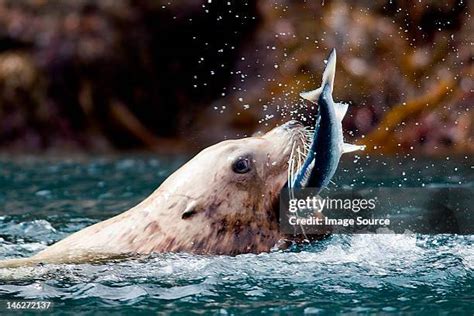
294	155
300	143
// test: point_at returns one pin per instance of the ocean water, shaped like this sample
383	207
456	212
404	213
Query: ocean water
42	200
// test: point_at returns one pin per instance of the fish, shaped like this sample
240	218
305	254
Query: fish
327	141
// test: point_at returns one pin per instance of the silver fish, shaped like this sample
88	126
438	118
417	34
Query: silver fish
327	144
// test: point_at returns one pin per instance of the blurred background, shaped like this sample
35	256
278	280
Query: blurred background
178	75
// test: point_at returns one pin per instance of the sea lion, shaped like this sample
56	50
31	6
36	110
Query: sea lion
223	201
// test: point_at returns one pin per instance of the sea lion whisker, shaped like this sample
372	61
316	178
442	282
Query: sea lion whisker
290	163
301	146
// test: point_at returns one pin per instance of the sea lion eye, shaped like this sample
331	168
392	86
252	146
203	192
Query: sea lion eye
241	165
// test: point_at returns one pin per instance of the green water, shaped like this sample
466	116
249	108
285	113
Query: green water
42	200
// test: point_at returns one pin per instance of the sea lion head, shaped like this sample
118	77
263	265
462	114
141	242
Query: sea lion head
225	199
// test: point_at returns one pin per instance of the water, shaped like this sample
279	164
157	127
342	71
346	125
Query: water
361	274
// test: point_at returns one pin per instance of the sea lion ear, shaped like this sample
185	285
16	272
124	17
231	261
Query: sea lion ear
190	210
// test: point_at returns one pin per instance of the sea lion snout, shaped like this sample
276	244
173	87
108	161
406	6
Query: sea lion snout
292	124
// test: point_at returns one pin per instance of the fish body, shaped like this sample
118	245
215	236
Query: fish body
327	144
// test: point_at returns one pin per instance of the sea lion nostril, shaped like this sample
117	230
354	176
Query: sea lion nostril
293	124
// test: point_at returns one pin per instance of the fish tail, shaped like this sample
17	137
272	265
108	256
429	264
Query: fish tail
327	82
